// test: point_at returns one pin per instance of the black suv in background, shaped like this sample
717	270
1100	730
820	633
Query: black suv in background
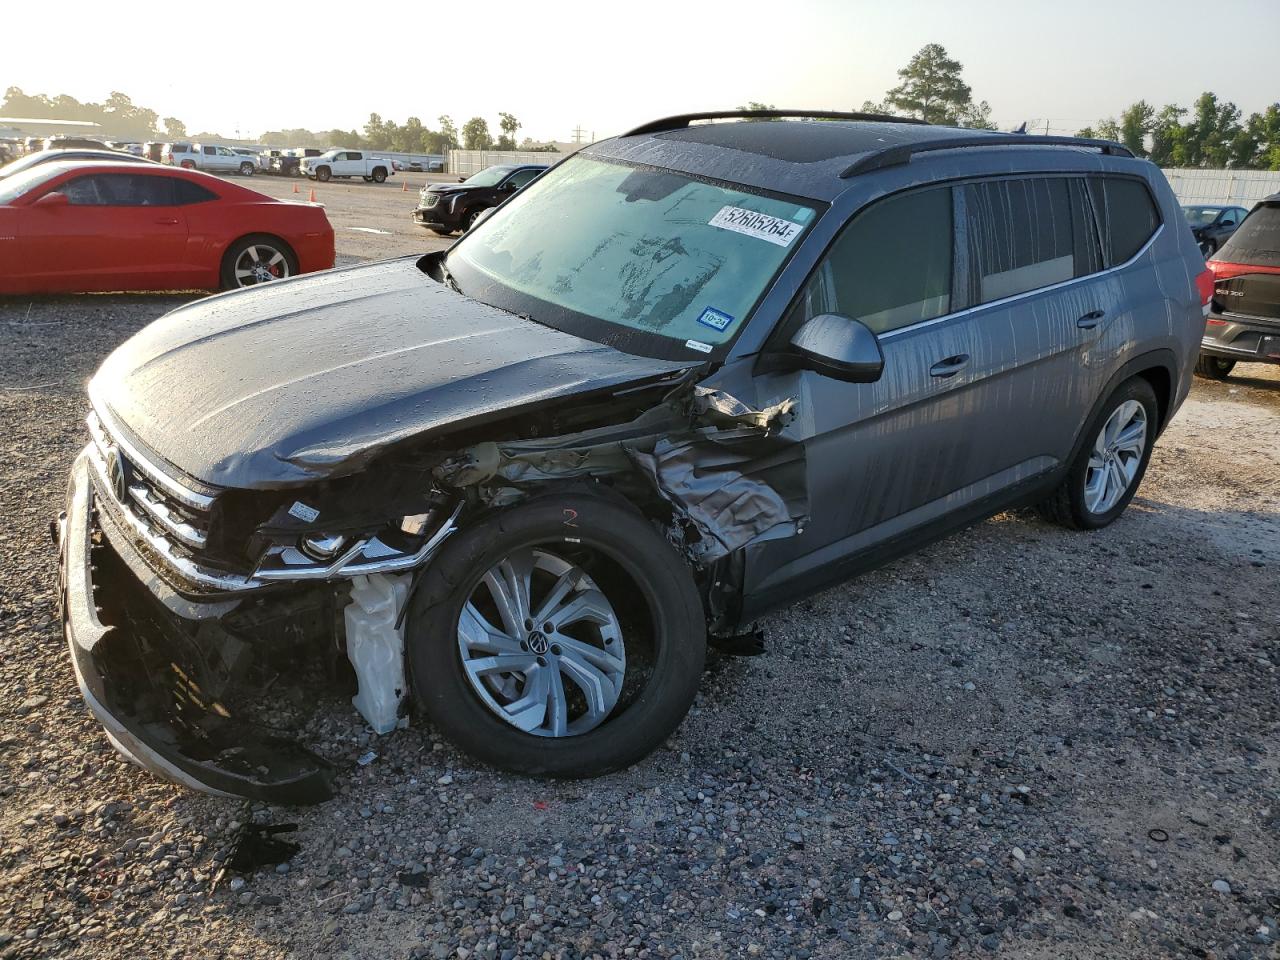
449	207
1212	224
287	162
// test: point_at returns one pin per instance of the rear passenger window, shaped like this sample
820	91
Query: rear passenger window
1024	234
1127	216
891	266
186	192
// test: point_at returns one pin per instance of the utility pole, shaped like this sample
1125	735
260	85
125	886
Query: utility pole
578	134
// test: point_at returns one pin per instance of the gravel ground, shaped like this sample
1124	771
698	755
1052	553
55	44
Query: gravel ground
1020	741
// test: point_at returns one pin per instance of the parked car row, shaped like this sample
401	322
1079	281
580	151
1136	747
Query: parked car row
1213	224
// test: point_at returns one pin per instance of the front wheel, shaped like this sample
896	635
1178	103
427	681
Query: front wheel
560	637
1207	249
472	218
1106	472
1214	368
246	169
323	174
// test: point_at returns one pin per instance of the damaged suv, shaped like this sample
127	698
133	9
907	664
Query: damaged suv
690	373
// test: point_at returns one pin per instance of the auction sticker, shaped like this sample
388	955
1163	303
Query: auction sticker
698	345
758	225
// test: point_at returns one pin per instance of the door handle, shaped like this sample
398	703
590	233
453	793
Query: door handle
1091	319
169	221
950	366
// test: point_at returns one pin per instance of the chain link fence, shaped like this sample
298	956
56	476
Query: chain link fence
466	162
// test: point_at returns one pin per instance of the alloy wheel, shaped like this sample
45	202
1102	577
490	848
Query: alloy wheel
260	263
541	645
1116	456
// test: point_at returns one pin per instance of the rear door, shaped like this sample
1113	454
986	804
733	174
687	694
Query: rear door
119	232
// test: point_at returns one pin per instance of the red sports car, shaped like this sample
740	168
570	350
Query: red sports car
71	227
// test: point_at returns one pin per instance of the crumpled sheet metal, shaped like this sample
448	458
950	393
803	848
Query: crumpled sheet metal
721	464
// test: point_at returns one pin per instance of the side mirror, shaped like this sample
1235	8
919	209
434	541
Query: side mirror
1228	223
462	179
53	199
839	347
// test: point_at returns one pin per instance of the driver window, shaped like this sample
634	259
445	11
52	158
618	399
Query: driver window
889	268
83	192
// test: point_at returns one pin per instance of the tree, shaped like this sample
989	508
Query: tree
509	125
475	134
376	134
1135	123
931	88
756	105
976	116
174	128
448	132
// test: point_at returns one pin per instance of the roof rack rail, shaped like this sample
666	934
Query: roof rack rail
893	156
682	120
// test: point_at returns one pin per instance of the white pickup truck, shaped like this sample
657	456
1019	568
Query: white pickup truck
347	163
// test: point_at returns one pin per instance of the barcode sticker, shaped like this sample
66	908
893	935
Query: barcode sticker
758	225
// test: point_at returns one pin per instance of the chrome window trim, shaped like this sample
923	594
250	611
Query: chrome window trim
106	433
1003	301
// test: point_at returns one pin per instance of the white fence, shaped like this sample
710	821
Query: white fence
466	162
1241	187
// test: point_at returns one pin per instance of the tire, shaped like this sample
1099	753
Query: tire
379	175
658	624
471	219
1207	248
323	174
246	169
1214	368
1069	506
442	231
187	165
266	248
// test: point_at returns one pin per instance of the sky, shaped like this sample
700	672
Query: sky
607	66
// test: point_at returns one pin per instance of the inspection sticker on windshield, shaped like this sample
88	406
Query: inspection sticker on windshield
698	345
715	319
758	225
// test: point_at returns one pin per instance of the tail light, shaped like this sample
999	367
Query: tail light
1204	285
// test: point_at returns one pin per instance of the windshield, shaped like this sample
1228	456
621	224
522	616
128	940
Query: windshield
489	177
648	261
23	163
24	180
1201	216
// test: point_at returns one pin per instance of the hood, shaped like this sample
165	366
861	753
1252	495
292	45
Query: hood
310	378
454	187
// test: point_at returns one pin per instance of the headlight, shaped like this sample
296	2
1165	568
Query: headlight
322	546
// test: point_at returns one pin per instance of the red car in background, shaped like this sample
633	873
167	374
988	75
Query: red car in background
73	227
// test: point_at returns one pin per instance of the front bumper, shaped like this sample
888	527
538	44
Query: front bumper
162	720
1244	339
437	216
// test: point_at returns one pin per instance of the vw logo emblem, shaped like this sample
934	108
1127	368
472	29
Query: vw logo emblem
115	473
538	643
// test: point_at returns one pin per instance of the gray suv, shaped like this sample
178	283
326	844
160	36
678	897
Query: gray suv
689	374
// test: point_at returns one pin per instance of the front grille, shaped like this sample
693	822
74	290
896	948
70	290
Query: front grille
166	518
430	200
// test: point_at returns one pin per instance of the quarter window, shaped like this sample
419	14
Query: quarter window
891	267
1024	234
1127	216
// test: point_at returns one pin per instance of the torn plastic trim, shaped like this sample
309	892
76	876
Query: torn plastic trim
724	467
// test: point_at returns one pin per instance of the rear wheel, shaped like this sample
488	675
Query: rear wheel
379	175
1214	368
257	259
561	637
188	165
1108	469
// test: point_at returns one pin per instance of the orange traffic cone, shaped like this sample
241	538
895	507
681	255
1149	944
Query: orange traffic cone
311	198
295	188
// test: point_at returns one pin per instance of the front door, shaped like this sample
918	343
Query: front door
119	232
